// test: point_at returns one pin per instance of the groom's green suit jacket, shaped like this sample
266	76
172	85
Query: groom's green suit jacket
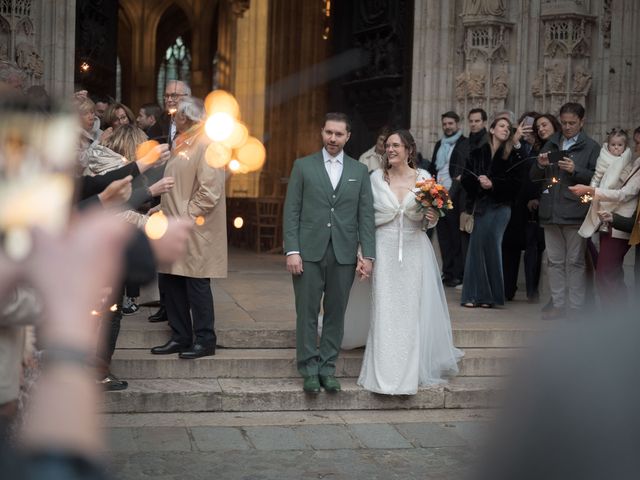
315	213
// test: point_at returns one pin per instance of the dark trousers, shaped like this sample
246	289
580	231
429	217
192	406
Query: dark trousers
109	331
534	246
186	298
609	271
450	242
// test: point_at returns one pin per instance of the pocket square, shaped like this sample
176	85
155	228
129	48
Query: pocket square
353	180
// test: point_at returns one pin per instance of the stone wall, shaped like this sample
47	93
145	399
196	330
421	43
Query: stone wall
38	36
522	55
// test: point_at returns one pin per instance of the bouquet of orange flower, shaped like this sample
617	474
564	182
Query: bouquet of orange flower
429	193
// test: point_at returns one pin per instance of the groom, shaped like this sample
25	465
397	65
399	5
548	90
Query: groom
328	210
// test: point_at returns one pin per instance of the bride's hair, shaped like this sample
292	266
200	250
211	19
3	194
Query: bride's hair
408	142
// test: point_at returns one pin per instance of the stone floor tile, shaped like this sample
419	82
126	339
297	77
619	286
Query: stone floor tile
379	435
121	439
428	435
151	439
212	439
327	437
275	438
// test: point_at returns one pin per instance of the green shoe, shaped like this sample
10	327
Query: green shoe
311	384
330	383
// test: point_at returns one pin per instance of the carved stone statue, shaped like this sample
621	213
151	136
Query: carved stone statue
495	8
475	84
461	86
581	81
538	84
500	85
557	79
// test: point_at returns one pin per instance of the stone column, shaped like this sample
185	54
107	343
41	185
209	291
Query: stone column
434	57
249	84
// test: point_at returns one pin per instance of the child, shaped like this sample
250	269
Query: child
613	166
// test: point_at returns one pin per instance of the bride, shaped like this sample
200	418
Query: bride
409	341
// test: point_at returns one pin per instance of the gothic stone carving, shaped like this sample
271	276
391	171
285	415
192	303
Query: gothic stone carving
29	60
605	25
494	8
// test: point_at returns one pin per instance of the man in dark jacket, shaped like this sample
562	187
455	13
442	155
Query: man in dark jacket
561	212
449	157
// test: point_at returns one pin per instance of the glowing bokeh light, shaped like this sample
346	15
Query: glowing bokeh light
252	154
156	226
222	101
234	165
113	307
217	155
146	148
95	313
219	126
238	136
238	222
199	221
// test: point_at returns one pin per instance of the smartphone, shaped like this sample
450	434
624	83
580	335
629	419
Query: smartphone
555	157
528	121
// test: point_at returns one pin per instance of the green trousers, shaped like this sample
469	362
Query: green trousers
334	280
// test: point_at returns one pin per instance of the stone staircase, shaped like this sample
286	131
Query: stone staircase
254	371
254	366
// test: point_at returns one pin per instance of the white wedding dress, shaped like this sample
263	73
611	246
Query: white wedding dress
409	339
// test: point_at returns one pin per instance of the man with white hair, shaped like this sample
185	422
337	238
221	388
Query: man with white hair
175	90
198	194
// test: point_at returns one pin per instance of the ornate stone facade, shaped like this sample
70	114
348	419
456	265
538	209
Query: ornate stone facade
18	40
525	55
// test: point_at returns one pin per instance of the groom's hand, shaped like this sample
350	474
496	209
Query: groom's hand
364	268
294	264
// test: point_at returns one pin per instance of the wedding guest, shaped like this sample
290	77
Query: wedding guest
491	179
410	341
561	213
374	157
449	157
477	120
523	231
614	189
118	114
198	194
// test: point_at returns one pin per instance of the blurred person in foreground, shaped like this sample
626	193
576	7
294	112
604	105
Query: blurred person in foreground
571	410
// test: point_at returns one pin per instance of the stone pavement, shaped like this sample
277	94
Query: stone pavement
391	446
241	414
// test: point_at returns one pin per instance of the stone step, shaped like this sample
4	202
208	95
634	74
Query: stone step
285	394
274	363
138	333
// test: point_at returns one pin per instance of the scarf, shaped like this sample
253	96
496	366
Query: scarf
446	145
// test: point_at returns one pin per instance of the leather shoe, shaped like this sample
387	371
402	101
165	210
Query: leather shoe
111	383
198	350
159	316
168	348
452	282
330	383
311	384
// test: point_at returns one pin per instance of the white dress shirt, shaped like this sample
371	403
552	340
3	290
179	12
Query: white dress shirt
334	166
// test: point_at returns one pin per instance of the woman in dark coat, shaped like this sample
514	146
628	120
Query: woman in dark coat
492	180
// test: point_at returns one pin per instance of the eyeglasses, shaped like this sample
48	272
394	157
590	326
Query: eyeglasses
174	96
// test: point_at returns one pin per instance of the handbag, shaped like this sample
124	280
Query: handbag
466	222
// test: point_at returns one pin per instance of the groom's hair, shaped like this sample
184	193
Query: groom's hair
337	117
